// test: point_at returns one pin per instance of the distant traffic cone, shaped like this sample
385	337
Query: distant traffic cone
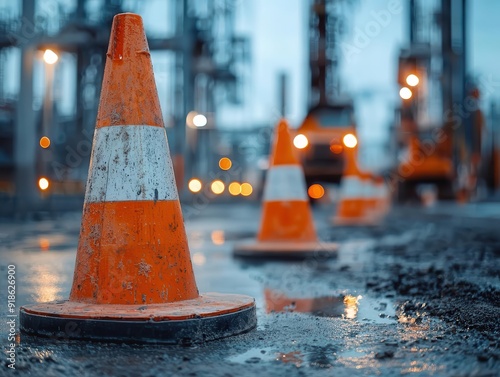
353	206
382	194
370	197
133	277
287	225
377	199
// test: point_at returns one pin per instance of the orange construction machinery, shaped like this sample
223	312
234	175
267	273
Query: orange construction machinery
287	228
321	141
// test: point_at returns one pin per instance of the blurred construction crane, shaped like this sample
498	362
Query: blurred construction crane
320	139
439	121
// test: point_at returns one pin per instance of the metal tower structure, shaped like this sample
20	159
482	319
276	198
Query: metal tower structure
206	52
432	75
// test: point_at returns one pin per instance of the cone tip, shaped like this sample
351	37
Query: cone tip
283	125
127	37
125	15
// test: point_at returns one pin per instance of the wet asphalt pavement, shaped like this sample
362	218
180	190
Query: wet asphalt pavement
417	295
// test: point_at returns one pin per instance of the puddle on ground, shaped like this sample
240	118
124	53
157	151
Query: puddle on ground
321	357
257	355
254	355
345	306
352	354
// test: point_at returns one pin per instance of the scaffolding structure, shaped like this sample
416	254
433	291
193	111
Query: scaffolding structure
205	52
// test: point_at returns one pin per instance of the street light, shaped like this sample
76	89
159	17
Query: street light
225	163
43	183
217	187
200	120
300	141
194	185
350	141
50	57
44	142
234	188
412	80
405	93
246	189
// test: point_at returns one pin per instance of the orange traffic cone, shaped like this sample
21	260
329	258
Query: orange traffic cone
287	225
383	199
323	306
376	199
353	206
133	277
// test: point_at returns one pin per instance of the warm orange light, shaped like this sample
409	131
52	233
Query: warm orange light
43	183
44	244
234	188
316	191
225	163
217	187
44	142
50	57
194	185
336	148
218	237
412	80
350	141
200	120
405	93
300	141
246	189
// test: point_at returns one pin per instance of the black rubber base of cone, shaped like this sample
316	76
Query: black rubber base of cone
285	251
184	332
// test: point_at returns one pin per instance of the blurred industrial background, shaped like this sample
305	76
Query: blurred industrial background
415	82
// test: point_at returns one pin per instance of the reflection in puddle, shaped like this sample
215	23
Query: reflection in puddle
327	306
343	306
351	306
257	355
44	243
46	284
318	357
420	366
294	358
352	354
254	355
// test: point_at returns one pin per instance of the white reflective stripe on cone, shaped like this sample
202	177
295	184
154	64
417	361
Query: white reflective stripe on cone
352	187
130	163
367	188
380	191
285	182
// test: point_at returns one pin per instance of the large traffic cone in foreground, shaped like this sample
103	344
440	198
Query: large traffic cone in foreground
133	277
354	205
287	225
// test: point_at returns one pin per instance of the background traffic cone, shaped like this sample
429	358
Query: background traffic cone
133	277
353	206
377	199
287	225
383	197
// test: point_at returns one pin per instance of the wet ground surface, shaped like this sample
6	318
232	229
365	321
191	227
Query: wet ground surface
417	295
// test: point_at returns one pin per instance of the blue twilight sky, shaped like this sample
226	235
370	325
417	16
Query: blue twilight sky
279	43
